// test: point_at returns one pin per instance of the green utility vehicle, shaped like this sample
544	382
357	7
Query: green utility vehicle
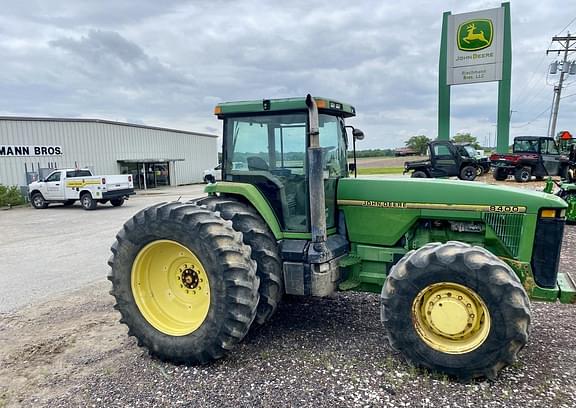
455	263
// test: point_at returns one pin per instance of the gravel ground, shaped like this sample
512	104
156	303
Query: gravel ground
71	352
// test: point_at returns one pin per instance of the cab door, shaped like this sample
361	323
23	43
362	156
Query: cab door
54	186
550	157
444	162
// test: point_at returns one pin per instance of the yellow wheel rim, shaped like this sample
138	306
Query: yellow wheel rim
451	318
170	287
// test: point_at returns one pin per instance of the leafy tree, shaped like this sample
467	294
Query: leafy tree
373	153
466	138
418	143
10	196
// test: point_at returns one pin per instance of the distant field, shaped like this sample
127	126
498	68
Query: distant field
383	165
381	162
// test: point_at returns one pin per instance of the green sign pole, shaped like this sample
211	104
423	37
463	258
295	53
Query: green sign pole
443	88
503	128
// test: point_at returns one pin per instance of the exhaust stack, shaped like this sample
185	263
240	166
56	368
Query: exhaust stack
316	183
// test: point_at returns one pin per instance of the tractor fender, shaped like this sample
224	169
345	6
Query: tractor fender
254	197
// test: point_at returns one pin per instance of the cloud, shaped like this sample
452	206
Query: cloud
168	63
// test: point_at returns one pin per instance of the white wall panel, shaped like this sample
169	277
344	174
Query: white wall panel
100	145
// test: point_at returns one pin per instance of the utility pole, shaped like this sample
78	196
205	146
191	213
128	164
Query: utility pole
565	67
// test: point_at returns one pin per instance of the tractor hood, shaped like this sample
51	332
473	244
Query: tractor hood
442	194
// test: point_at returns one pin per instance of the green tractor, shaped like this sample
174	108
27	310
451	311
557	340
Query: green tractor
455	263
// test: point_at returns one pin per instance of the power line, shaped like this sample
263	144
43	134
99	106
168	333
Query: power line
568	96
533	119
567	25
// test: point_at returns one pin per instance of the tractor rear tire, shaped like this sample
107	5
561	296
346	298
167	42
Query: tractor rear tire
468	173
257	235
499	174
184	282
419	174
523	174
485	319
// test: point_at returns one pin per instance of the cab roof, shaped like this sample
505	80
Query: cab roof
325	105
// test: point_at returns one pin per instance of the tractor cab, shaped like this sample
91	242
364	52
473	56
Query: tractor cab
271	139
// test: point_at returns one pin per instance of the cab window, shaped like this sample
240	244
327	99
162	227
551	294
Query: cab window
53	177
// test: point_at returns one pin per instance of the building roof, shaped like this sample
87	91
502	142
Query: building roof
109	122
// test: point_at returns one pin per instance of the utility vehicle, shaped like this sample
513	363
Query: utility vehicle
455	263
531	156
445	159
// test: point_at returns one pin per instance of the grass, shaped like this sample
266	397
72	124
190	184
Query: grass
380	170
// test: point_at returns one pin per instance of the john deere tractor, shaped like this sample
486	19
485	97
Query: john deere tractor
455	263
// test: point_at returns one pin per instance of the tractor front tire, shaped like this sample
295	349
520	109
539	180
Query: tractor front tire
456	309
468	173
184	282
257	235
523	174
419	174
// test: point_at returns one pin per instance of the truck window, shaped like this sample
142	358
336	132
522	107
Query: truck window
549	147
78	173
441	150
525	146
53	177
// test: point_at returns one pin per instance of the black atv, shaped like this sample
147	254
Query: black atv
444	160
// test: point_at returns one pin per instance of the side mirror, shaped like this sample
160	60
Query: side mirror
358	134
351	167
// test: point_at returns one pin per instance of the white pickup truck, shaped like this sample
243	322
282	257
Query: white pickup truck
66	186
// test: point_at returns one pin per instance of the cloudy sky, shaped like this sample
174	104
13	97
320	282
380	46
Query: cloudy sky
167	63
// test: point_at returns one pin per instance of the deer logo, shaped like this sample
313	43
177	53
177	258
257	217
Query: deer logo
475	35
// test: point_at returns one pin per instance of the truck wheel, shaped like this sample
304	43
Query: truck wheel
499	174
184	282
468	173
523	174
209	179
257	235
419	174
88	203
456	309
117	202
38	201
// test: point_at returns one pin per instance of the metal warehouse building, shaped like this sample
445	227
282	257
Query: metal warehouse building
32	147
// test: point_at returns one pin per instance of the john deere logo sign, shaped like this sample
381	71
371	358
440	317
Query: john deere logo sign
474	35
